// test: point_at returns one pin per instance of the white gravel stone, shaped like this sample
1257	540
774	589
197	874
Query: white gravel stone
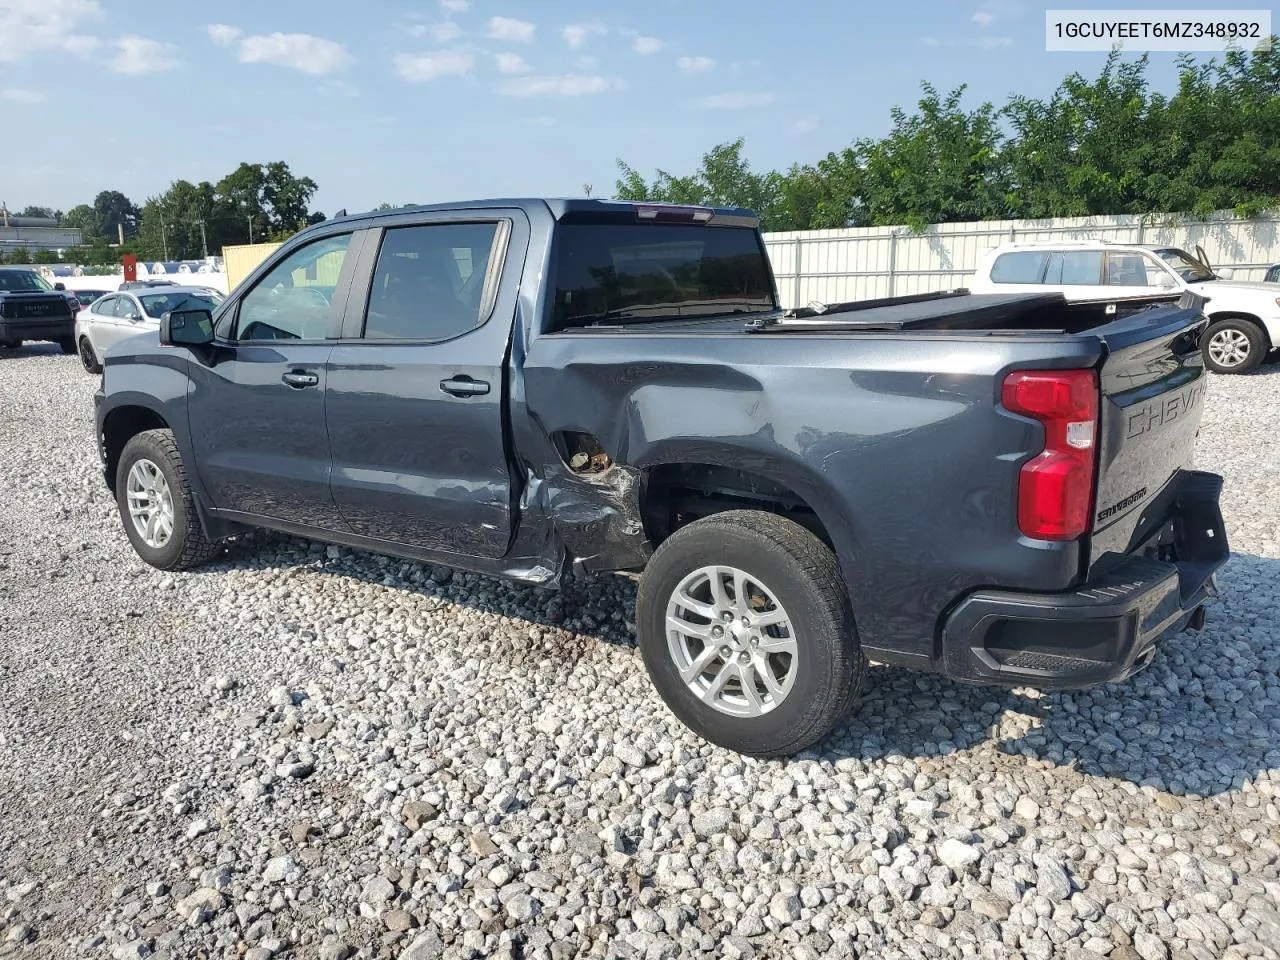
489	773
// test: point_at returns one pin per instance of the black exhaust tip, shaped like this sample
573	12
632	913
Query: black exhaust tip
1197	619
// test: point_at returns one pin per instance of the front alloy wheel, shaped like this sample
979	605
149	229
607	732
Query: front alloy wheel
150	503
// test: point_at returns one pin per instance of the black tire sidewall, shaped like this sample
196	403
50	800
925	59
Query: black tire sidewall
88	358
1257	346
147	446
817	638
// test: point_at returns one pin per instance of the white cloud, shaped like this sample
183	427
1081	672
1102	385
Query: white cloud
510	63
455	6
442	32
993	43
587	63
139	55
30	27
19	95
569	85
507	28
984	18
647	45
805	125
695	64
736	101
576	34
222	34
298	51
422	68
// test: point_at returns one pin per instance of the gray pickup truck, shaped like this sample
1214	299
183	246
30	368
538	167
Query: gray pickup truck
992	487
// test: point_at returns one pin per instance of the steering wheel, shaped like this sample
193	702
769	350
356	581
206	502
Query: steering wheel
317	293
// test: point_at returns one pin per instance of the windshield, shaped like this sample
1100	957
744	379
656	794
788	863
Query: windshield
158	304
633	272
1186	266
23	281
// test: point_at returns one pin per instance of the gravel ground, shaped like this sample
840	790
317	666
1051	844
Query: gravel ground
306	752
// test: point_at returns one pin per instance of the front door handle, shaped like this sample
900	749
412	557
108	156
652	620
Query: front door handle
464	386
299	379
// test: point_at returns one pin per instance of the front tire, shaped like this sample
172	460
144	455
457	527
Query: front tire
156	506
88	357
1234	346
745	628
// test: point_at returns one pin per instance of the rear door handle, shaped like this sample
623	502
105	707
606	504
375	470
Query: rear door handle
299	379
464	386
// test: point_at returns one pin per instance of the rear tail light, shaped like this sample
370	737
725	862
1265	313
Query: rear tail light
1055	487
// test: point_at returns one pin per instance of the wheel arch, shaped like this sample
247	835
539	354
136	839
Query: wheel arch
1251	318
119	426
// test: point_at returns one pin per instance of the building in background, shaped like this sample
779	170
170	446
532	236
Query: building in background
35	233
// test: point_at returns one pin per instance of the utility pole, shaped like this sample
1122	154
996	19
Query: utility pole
164	234
204	242
251	228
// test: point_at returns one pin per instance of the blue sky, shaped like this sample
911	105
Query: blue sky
452	99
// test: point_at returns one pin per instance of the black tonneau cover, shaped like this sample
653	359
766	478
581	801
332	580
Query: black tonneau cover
948	310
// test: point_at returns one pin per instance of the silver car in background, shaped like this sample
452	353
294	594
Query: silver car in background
116	316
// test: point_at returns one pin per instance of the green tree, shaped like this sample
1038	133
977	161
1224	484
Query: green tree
288	197
83	218
47	213
114	210
724	178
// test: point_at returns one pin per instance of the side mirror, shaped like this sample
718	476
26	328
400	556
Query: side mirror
59	286
1225	273
186	328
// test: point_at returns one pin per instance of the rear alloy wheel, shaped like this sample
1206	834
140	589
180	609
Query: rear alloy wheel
746	631
1233	346
88	357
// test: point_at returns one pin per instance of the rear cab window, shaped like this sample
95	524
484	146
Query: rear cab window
430	281
612	274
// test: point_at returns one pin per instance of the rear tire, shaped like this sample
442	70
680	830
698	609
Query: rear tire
11	344
67	345
155	455
1234	346
787	576
88	357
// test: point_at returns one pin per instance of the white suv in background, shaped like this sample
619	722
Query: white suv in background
1244	318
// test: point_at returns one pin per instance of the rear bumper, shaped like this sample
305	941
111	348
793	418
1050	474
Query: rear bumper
37	329
1107	629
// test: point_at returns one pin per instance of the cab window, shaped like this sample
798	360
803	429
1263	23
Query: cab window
294	300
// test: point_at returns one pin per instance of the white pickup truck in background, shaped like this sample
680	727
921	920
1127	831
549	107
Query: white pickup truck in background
1244	317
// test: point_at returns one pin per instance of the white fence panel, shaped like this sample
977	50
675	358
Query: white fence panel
862	263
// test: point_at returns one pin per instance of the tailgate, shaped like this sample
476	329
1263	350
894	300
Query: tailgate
1153	385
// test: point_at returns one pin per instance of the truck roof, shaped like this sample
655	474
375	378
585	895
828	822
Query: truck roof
561	208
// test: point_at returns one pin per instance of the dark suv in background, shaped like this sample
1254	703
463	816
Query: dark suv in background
32	309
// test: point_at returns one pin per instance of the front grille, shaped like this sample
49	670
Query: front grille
43	308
